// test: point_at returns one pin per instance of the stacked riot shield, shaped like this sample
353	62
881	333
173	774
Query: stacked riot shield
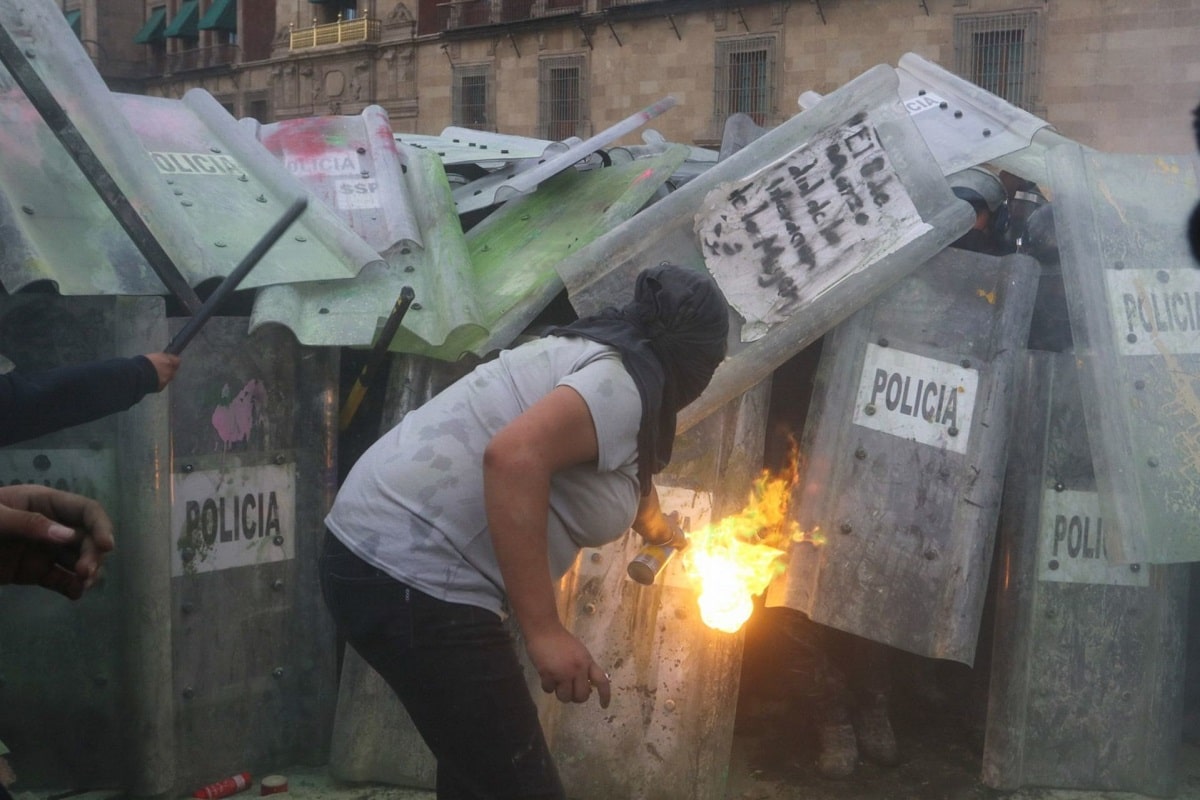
905	446
1087	669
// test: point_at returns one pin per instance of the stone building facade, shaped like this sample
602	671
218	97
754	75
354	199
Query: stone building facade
1118	75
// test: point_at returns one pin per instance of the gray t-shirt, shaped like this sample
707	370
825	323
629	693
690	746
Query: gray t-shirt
413	504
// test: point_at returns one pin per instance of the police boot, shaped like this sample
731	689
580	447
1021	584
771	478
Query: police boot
873	728
838	745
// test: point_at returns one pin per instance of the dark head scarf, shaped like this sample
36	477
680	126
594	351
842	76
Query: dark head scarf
671	337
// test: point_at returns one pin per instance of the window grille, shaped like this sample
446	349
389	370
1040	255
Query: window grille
744	81
999	53
562	97
472	94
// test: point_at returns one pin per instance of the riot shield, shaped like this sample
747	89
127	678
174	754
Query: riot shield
225	655
71	668
1134	300
801	227
252	646
675	680
1087	669
904	447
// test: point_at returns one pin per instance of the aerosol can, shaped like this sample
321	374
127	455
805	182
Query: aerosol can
652	558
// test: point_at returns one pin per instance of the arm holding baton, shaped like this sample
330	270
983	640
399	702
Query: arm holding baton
234	278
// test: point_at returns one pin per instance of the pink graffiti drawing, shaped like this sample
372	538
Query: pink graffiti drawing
233	422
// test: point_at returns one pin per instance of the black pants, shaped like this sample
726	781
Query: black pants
455	670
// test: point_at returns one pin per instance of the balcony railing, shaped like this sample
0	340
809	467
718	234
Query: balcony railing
363	29
475	13
201	58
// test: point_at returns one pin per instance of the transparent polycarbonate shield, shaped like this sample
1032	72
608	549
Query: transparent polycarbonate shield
965	125
351	164
70	669
1086	688
206	192
903	455
396	197
456	147
231	189
43	192
801	227
674	679
475	292
251	477
524	177
1133	293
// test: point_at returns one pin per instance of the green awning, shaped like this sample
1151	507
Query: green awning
73	20
221	16
152	31
183	26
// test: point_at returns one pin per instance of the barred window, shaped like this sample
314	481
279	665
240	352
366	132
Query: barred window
745	79
999	52
562	97
472	97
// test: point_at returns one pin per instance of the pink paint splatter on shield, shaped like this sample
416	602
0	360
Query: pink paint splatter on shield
234	422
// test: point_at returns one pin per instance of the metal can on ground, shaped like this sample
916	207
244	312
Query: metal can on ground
273	784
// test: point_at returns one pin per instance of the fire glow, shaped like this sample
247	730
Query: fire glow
734	559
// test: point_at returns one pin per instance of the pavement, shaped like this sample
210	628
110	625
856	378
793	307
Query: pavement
773	759
747	782
937	773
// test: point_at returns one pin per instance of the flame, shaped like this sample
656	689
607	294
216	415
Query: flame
734	559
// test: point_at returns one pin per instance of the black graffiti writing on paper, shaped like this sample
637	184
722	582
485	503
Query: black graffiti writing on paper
796	218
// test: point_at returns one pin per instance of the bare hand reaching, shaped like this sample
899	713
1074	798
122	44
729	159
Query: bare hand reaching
166	365
567	669
51	538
